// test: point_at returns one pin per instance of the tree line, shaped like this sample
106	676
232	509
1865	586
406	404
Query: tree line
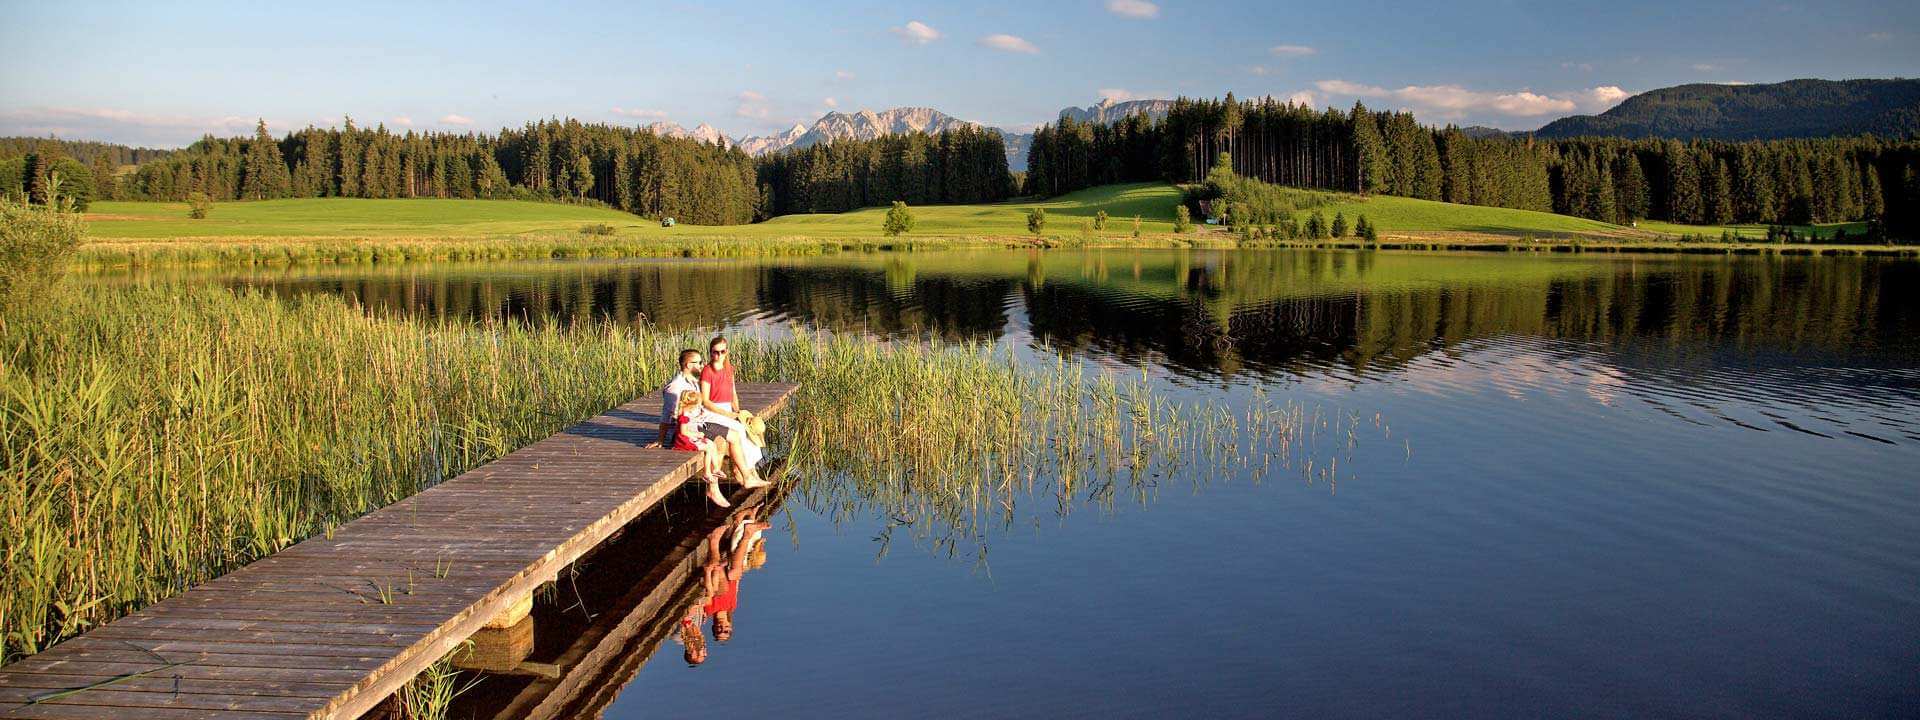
569	161
1611	179
964	165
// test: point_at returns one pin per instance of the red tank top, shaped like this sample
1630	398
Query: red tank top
726	601
720	384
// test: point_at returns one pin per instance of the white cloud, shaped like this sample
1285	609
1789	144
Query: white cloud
452	119
1528	104
916	32
1115	95
401	120
842	75
830	102
1303	97
641	113
1582	67
1706	67
1008	43
1291	51
125	126
1136	9
1342	87
1260	70
753	105
1602	98
1453	102
1879	36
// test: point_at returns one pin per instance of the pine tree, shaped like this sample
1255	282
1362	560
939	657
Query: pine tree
1370	155
1339	225
1036	220
1873	201
1630	187
105	186
347	169
1683	188
265	172
1720	193
34	173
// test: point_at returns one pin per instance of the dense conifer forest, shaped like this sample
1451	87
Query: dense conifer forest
1610	179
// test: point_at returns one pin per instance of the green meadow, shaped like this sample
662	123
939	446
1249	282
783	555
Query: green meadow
353	230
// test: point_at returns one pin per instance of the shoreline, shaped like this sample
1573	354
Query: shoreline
109	254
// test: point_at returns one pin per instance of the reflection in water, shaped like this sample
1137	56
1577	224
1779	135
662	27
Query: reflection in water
1703	328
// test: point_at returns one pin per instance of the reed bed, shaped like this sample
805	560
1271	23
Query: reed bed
155	437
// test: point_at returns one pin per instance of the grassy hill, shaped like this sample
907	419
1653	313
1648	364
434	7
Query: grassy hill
1791	109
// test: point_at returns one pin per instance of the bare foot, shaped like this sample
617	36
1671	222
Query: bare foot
713	493
753	480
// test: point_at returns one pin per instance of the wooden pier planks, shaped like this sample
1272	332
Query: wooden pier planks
331	626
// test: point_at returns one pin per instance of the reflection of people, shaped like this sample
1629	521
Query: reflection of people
688	634
724	569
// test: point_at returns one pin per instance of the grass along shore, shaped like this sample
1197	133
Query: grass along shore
152	438
360	231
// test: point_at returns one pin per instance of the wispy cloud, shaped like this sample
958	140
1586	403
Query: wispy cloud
1453	102
1260	70
752	105
1706	67
1581	66
916	32
640	113
1008	43
830	102
1302	98
116	125
455	119
1291	51
400	120
1115	95
1879	36
842	75
1136	9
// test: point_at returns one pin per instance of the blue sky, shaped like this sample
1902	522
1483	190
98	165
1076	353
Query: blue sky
163	73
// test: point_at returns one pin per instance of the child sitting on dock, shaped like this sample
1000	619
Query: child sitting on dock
690	438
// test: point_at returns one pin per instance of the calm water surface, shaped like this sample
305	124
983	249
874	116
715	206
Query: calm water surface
1652	486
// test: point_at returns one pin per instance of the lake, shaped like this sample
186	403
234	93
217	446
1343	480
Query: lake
1591	485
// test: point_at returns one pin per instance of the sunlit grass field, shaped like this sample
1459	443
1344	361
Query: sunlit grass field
351	230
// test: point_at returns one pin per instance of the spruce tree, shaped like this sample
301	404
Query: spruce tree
1720	212
265	174
1370	154
1873	202
1630	187
1339	225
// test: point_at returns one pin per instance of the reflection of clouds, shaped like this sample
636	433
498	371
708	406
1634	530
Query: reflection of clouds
1603	382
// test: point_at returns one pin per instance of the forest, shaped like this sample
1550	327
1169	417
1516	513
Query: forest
552	160
1609	179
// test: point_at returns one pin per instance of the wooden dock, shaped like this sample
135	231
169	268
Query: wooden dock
332	626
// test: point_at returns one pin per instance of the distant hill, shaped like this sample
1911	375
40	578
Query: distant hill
1792	109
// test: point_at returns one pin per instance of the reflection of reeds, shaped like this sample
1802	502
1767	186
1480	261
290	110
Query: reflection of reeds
945	439
153	438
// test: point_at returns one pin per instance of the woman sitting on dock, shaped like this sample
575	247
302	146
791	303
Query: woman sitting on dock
717	396
689	438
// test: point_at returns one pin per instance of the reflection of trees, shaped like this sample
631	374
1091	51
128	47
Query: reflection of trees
1827	309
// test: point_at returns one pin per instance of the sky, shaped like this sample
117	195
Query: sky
162	74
